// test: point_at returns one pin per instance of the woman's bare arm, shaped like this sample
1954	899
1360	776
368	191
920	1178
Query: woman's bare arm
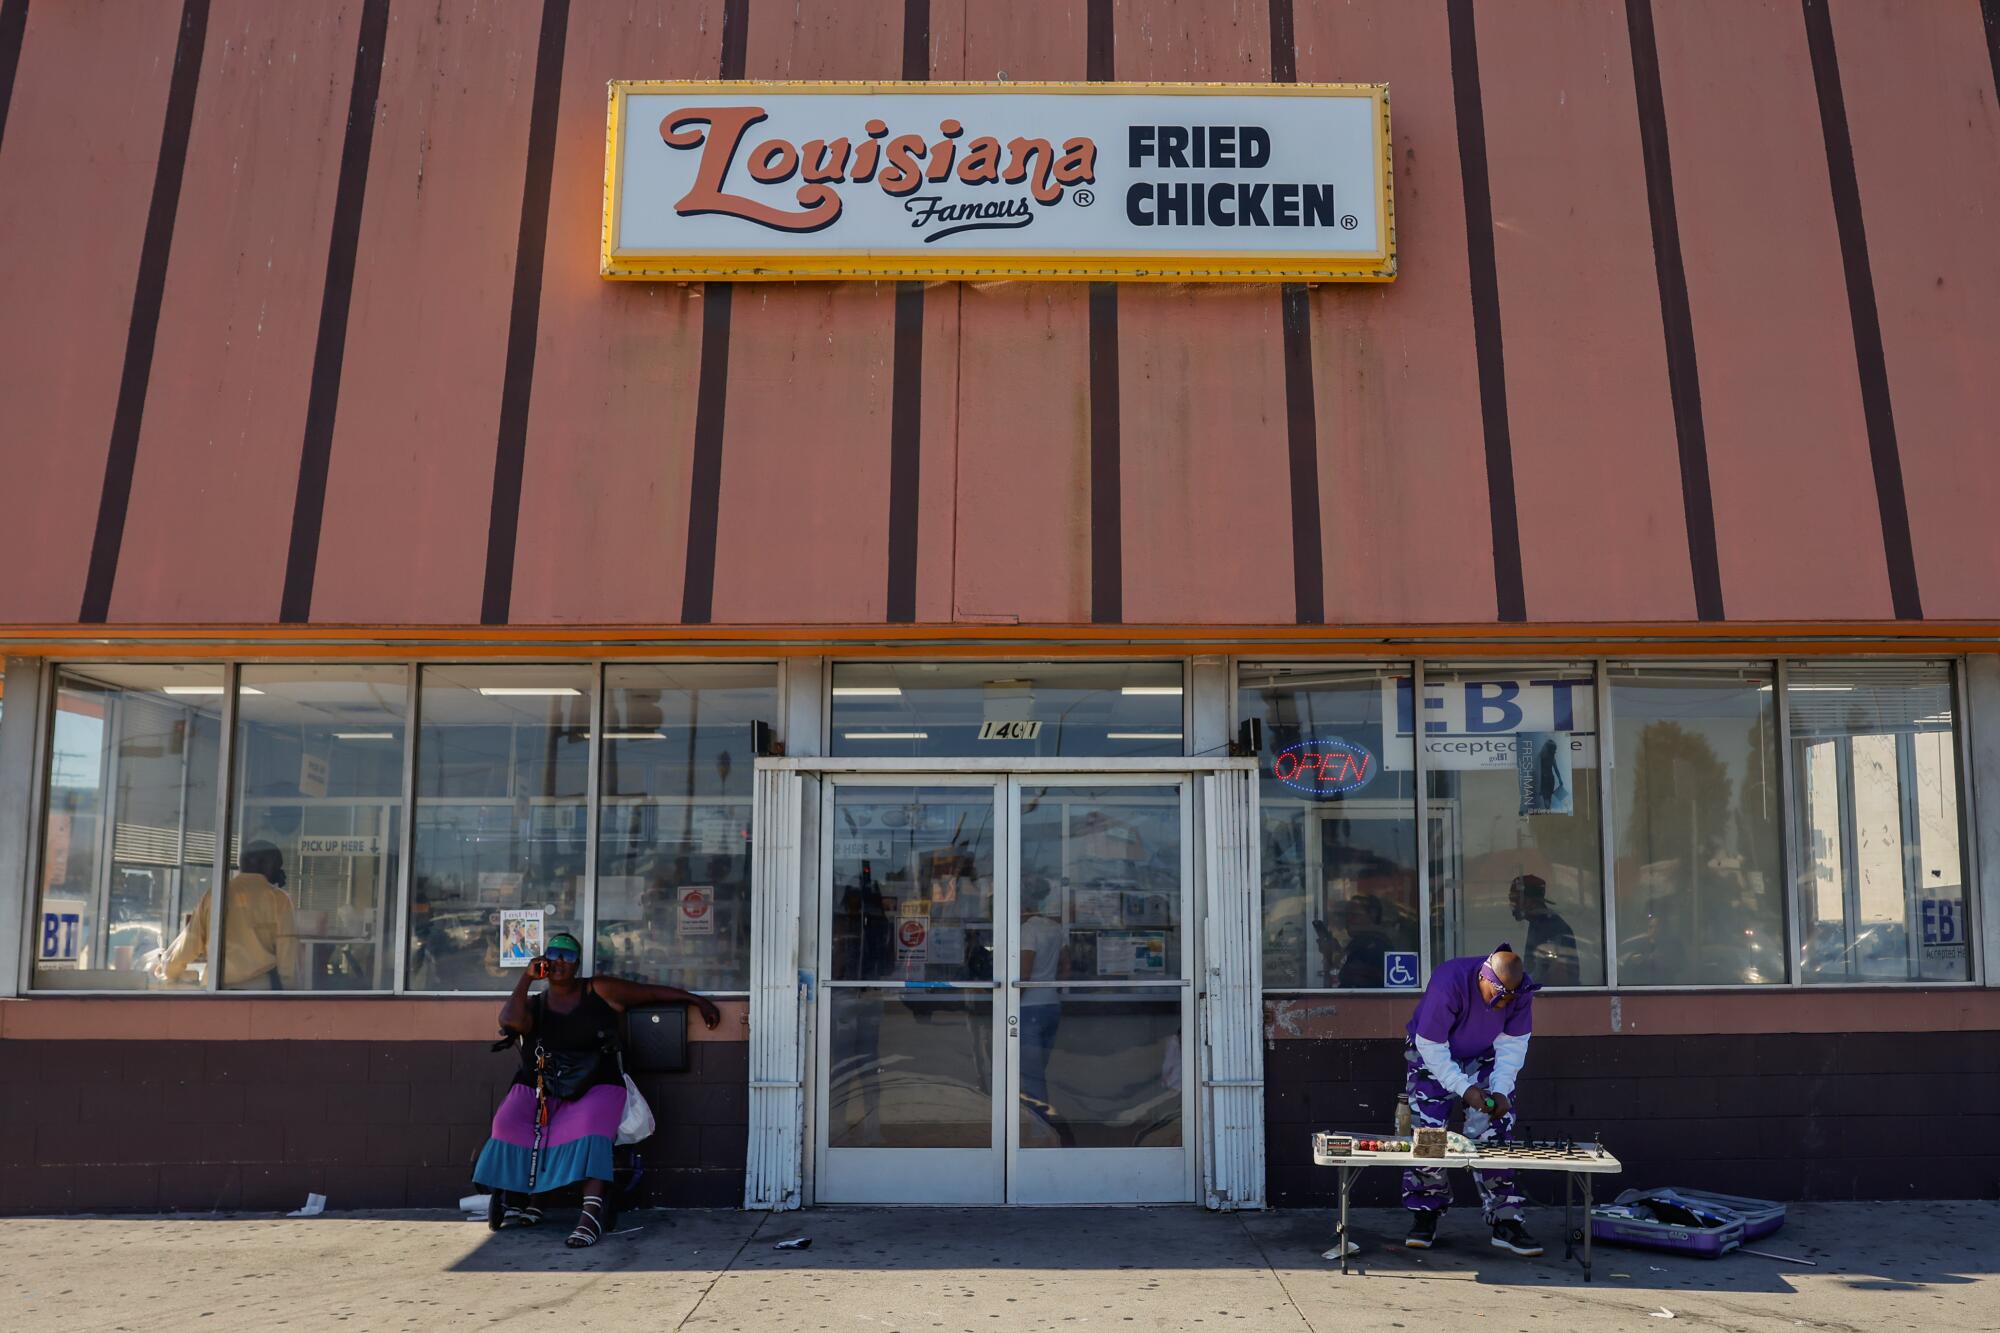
621	995
516	1016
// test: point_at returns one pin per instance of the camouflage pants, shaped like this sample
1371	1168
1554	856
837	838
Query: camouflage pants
1429	1188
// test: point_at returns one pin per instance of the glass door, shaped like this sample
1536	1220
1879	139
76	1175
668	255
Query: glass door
1098	1023
913	886
1049	914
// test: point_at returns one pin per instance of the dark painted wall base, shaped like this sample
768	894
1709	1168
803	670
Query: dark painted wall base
124	1126
1787	1116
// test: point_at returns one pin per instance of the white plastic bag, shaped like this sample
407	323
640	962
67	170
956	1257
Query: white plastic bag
637	1122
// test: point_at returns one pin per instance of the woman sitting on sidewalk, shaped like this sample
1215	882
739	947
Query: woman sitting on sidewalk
568	1036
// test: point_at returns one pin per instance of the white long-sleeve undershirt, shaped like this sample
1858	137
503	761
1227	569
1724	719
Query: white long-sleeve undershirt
1436	1056
1510	1054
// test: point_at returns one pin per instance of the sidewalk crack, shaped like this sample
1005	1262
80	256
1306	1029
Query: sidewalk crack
722	1272
1275	1274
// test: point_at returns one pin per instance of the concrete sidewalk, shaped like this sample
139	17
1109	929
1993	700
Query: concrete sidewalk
1879	1266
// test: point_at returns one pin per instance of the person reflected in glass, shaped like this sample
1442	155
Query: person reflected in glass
260	942
1551	948
1367	944
1044	945
558	1122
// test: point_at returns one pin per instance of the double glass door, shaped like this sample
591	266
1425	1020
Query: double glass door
1005	1013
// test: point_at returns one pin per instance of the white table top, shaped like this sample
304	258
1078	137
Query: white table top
1588	1157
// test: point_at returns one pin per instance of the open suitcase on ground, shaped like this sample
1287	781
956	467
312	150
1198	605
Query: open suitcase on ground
1692	1222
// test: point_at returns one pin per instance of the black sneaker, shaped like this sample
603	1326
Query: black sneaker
1423	1230
1511	1235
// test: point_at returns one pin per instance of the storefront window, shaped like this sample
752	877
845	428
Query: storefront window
1881	861
673	852
316	824
1007	710
1339	828
502	820
1699	873
128	848
1511	757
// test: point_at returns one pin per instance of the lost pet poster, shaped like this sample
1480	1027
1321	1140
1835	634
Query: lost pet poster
520	937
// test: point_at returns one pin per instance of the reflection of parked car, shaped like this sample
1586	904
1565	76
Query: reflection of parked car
143	938
1741	955
1880	949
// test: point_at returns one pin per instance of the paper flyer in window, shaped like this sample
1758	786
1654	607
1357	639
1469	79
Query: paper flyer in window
1131	954
696	910
1097	907
913	932
520	936
1542	767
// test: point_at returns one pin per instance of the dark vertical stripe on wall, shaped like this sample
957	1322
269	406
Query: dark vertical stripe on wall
1988	10
712	390
1301	411
1869	360
336	296
1107	541
123	453
906	404
1509	594
1683	375
905	451
13	30
525	316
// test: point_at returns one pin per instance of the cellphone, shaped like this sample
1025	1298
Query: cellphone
538	969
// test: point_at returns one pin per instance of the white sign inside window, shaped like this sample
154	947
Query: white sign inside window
1478	724
1009	731
1259	182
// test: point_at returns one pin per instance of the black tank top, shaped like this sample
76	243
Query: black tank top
591	1026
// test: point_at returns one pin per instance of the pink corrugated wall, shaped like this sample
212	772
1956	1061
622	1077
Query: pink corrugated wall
1002	502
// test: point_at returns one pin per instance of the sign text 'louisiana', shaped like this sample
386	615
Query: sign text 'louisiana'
1166	182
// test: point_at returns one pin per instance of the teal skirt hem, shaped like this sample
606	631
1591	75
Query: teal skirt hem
504	1166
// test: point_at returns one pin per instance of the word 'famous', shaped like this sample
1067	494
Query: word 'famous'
900	165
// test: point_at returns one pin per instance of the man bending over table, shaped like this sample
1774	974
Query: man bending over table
1467	1043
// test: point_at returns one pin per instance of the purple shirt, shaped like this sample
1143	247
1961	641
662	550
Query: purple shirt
1454	1011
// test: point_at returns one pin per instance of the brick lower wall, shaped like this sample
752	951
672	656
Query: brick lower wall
1783	1116
144	1126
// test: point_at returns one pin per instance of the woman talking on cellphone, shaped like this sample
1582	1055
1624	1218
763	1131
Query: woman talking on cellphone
557	1124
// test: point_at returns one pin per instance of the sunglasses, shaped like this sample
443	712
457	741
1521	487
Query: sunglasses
563	955
1501	992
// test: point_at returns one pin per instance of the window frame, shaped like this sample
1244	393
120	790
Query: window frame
1792	902
226	815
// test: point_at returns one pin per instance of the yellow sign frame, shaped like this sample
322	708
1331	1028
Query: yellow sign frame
1078	266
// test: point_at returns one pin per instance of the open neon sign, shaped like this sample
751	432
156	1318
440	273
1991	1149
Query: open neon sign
1324	766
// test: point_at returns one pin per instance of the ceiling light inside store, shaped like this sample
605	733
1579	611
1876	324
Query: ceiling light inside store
886	735
635	735
203	689
1152	689
364	735
1821	689
1142	735
528	691
867	691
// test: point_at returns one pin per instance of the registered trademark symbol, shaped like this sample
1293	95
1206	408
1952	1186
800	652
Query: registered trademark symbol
1348	222
1084	198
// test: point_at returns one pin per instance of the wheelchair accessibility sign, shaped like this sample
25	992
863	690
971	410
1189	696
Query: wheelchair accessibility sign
1399	971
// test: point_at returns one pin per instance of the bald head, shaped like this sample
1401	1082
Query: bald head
1506	965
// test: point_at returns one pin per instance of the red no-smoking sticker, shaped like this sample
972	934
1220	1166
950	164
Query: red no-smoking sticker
697	904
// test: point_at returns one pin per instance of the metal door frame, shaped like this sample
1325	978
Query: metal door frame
1184	782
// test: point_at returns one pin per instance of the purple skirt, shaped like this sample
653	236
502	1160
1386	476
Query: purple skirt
576	1145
